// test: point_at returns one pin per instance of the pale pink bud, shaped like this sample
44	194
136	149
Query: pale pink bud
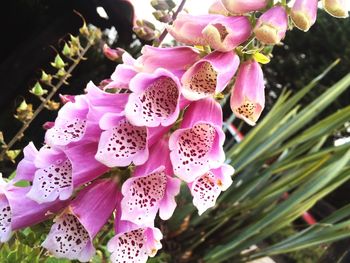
248	96
113	54
218	8
243	6
336	8
304	13
272	26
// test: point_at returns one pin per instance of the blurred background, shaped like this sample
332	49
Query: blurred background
34	29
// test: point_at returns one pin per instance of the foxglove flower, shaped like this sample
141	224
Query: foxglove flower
72	234
271	26
155	99
59	172
243	6
139	242
197	146
209	75
188	28
70	124
220	32
124	73
336	8
207	188
26	167
248	95
153	58
152	188
226	33
17	211
304	13
121	143
218	8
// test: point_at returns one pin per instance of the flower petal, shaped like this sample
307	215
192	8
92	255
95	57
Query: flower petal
122	143
155	100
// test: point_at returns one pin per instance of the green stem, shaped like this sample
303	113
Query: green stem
55	88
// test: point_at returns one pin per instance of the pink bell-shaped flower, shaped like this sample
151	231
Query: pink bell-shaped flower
243	6
272	25
72	234
155	99
140	242
209	76
248	95
18	211
220	32
58	172
304	13
207	188
218	8
196	147
151	189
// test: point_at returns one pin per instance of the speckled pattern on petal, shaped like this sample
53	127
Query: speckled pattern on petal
203	82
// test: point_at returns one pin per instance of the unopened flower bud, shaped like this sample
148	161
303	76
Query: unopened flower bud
66	98
162	4
243	6
46	78
145	30
38	90
58	63
304	13
48	125
24	112
336	8
162	16
52	105
271	27
113	54
217	8
66	50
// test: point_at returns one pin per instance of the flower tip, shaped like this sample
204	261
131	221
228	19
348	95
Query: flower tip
267	34
301	21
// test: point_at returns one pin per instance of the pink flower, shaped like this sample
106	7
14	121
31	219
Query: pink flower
140	242
197	146
218	8
243	6
248	96
58	172
113	54
78	120
17	211
152	188
304	13
209	75
336	8
72	234
121	143
188	28
153	58
70	124
220	32
271	27
226	33
207	188
155	99
26	167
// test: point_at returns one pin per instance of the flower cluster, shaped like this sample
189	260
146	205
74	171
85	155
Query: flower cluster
155	120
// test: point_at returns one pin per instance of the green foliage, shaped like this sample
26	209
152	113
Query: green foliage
280	155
